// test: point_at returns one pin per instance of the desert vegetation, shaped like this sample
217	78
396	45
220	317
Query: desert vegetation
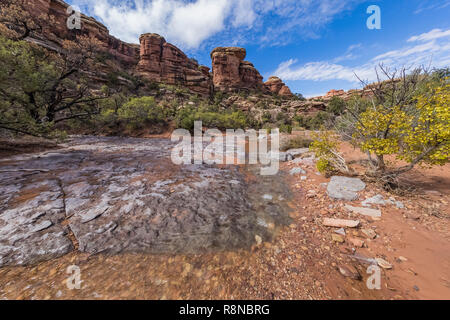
406	117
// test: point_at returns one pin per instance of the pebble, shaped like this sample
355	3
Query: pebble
350	272
311	194
383	263
337	238
369	233
356	242
267	197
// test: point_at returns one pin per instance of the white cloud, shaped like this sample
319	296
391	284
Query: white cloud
349	54
433	34
244	15
433	49
434	6
189	24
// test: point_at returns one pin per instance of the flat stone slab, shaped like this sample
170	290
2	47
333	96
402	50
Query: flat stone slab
377	200
374	213
344	188
31	213
340	223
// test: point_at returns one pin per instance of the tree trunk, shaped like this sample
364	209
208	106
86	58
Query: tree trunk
381	166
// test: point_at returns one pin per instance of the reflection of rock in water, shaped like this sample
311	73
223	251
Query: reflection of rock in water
124	195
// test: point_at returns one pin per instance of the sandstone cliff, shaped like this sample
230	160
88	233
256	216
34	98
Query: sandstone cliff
164	63
231	72
275	85
56	31
155	59
346	95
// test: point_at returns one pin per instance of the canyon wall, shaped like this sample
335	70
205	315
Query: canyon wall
232	73
155	59
162	62
55	11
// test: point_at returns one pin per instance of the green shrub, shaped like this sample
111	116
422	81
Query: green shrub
139	111
297	142
266	117
325	146
286	128
313	122
229	119
336	106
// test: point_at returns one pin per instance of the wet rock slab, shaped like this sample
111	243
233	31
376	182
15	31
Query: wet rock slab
116	195
31	213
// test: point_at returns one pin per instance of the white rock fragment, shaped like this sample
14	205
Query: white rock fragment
295	171
374	213
268	197
378	199
383	263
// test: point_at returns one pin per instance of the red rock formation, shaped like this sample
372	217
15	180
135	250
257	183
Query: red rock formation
56	31
347	95
335	93
163	62
155	59
276	86
231	72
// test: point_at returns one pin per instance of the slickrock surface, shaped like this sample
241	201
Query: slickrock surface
291	257
116	195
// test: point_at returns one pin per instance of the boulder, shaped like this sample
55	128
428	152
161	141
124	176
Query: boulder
277	86
344	188
297	152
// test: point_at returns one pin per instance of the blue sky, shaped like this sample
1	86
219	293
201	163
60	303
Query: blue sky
313	45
